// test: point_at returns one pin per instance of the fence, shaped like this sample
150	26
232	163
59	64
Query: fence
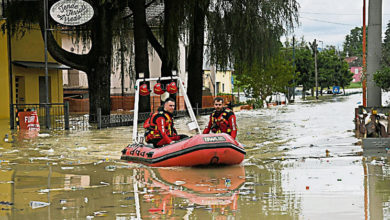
127	119
51	116
54	115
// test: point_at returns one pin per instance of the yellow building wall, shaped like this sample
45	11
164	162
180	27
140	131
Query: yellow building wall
31	48
4	75
225	81
31	78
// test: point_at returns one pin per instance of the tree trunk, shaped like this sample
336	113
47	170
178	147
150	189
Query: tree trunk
97	63
99	73
141	50
195	57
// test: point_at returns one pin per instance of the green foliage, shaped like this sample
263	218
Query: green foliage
248	31
386	47
353	45
304	66
354	85
263	81
382	78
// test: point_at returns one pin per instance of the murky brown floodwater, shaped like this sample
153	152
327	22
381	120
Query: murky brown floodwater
287	173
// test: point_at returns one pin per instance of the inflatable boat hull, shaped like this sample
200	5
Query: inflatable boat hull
203	149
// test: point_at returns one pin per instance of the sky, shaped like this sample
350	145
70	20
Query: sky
330	21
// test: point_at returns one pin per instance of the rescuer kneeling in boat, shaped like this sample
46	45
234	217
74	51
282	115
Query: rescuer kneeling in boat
160	128
222	120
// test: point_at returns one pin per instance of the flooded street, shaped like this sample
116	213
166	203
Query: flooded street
302	162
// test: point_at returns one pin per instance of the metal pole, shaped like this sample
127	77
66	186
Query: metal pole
294	67
374	52
315	66
364	57
66	116
45	21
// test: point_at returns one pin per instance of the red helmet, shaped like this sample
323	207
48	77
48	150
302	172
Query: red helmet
144	90
172	88
157	89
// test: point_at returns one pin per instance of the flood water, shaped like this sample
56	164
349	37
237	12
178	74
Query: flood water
302	162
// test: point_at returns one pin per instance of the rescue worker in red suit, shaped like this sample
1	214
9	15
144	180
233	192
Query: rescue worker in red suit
161	130
222	120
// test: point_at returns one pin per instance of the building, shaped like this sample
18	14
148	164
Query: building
357	73
355	68
22	69
216	81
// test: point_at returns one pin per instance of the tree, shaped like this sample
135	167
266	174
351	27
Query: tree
386	47
353	45
100	32
344	75
248	31
264	81
304	63
382	77
196	45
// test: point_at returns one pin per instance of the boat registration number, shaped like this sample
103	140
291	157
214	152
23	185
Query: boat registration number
214	139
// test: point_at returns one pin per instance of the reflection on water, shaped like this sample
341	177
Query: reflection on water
301	163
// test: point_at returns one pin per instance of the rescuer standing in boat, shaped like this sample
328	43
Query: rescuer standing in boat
222	120
160	128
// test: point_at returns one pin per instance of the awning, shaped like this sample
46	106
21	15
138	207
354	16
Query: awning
32	64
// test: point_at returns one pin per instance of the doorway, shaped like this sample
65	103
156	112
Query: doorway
42	90
20	94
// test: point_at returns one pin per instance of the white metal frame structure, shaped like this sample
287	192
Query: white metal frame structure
181	87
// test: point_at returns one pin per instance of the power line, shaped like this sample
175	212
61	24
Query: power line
322	13
338	14
330	22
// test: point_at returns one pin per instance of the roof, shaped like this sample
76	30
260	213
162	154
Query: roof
41	65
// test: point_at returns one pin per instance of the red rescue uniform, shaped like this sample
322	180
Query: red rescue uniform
161	130
222	122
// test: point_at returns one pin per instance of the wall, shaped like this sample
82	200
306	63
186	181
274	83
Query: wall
4	75
357	76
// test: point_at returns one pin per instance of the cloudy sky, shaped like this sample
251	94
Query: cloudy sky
331	20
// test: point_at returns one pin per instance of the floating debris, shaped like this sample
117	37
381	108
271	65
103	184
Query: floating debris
37	204
179	182
110	168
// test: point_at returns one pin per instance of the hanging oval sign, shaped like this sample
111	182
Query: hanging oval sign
71	12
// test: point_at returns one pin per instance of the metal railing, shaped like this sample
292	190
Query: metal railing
53	115
127	119
56	116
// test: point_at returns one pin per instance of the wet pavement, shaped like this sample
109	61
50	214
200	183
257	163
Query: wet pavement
302	162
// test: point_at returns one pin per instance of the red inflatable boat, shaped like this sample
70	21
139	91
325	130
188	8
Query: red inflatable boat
202	149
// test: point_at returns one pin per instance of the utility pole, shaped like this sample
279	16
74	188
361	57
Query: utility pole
374	52
364	57
315	65
294	68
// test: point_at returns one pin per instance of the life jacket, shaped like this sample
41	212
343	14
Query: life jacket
152	131
220	123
